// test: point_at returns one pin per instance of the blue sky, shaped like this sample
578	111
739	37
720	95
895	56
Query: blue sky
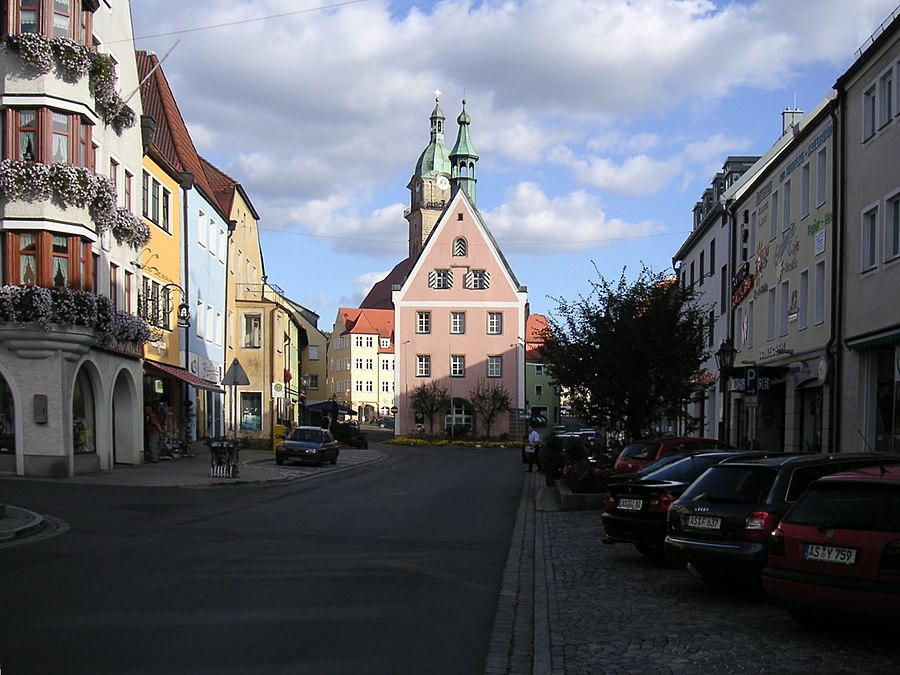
599	123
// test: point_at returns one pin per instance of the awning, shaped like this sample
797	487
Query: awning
184	376
885	338
328	406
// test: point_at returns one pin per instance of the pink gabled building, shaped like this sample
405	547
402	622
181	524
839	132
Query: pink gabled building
459	311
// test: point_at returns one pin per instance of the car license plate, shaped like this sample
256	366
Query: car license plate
831	554
630	504
704	522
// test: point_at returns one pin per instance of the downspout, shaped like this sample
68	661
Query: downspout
232	226
832	349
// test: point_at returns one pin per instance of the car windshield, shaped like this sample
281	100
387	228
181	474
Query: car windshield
639	451
731	483
686	469
847	505
314	435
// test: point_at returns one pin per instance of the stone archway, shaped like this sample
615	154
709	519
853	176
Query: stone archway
8	449
126	421
86	407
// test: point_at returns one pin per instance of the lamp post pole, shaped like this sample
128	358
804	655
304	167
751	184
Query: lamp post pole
725	361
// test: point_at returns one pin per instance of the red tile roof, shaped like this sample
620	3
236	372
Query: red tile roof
369	322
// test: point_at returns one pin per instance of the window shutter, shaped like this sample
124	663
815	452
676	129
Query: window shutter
470	280
432	279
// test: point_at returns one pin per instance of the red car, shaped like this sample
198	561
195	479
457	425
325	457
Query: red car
837	551
639	454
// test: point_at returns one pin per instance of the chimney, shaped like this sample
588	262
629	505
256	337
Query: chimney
790	118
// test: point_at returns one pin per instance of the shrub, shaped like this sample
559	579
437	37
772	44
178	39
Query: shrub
585	476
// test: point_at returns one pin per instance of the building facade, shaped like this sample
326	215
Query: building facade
70	377
869	352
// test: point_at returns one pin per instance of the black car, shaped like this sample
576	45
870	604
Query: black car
719	527
636	505
308	444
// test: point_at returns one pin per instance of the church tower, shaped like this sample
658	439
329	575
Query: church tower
463	157
429	186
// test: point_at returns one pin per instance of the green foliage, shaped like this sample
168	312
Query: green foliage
629	353
489	400
430	399
458	431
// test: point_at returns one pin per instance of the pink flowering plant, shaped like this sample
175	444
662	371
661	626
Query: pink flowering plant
68	185
73	61
585	476
65	307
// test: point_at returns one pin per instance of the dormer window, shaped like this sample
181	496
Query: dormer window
460	248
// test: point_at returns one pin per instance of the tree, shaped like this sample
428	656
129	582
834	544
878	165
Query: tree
629	354
429	398
489	400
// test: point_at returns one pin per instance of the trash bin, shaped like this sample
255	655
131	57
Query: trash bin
224	458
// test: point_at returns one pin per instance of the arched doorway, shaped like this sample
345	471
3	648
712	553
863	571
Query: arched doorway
124	421
7	428
84	425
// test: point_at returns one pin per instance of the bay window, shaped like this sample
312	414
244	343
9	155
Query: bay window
48	259
48	136
72	19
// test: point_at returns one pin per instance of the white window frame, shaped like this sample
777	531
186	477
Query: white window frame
869	238
803	301
869	111
457	365
495	366
886	102
423	365
457	323
819	317
495	323
423	322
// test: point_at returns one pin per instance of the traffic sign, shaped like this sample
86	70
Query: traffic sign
394	410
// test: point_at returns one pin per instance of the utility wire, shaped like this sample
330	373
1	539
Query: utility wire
253	20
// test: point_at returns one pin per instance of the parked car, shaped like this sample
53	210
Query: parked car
837	550
385	422
308	444
640	453
635	510
719	527
559	429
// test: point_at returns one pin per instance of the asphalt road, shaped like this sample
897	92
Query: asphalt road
394	567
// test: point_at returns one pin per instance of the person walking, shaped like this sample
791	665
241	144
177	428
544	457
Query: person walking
532	448
154	430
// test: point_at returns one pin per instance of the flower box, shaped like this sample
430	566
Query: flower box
571	501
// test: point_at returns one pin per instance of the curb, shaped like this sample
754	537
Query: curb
23	522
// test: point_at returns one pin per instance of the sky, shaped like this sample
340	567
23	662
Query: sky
598	123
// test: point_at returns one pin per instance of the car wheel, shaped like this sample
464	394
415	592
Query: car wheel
279	461
651	551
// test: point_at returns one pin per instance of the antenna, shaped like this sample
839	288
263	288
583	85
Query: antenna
147	77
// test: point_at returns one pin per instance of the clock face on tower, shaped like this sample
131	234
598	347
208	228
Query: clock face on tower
443	183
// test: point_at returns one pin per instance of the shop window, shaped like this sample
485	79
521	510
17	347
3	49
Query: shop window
251	411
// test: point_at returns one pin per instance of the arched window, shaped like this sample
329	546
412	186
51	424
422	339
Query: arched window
83	440
460	248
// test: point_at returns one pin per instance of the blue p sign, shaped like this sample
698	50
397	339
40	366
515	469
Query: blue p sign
751	381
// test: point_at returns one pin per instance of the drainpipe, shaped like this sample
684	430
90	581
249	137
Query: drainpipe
833	348
186	182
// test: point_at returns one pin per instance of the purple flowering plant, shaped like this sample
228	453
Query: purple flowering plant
66	307
73	61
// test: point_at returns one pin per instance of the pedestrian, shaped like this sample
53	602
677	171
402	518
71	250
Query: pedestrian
532	448
154	430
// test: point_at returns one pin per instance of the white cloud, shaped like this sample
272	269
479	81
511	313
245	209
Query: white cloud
531	222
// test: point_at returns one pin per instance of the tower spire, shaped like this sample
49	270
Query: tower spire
463	157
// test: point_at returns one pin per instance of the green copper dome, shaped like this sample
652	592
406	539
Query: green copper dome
435	159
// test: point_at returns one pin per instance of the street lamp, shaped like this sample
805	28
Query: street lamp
725	362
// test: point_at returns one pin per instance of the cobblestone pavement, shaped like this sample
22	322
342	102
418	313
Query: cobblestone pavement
608	609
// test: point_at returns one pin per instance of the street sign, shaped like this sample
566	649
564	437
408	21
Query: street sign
751	381
235	375
394	410
751	401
